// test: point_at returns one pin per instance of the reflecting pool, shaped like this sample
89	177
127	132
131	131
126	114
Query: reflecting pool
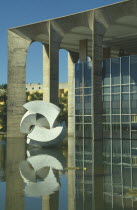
100	175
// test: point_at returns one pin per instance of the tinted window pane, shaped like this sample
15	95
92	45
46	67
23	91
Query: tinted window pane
116	104
78	119
134	107
78	105
106	131
125	97
134	135
106	90
125	107
116	131
125	70
88	119
125	118
106	97
115	97
115	89
87	91
115	111
133	69
134	126
87	105
115	70
78	91
87	74
133	96
78	75
133	88
106	72
125	131
79	130
87	130
106	118
125	88
115	118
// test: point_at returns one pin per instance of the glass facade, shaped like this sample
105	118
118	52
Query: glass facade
83	97
119	95
119	86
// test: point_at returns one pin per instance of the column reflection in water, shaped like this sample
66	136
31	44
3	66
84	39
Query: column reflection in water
71	173
120	183
40	172
14	182
2	173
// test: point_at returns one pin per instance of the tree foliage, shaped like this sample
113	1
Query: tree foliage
3	107
34	96
3	93
63	104
3	117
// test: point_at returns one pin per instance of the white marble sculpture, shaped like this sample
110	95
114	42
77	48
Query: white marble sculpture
41	173
39	122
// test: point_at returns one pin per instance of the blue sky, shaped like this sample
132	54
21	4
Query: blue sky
15	13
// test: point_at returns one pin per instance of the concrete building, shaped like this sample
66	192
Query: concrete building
33	87
102	33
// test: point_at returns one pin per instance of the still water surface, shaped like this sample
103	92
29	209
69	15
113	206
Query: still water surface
100	176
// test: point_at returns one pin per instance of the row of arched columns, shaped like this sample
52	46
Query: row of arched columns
97	21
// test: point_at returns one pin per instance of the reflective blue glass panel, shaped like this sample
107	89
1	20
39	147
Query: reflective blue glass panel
133	69
115	70
125	69
106	72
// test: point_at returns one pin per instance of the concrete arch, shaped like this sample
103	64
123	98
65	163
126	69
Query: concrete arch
107	16
66	25
121	36
72	38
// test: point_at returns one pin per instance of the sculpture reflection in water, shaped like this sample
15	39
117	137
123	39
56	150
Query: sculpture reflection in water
40	172
40	123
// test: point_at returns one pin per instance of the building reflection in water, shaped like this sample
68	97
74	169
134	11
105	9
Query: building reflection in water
14	183
105	175
101	175
88	174
120	162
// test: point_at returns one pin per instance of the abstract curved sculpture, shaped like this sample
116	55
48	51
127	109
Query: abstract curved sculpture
39	122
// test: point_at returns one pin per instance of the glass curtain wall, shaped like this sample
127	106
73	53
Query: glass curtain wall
120	97
83	112
83	135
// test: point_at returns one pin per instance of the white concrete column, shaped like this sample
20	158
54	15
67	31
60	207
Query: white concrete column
71	173
46	74
97	142
97	57
51	67
17	51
